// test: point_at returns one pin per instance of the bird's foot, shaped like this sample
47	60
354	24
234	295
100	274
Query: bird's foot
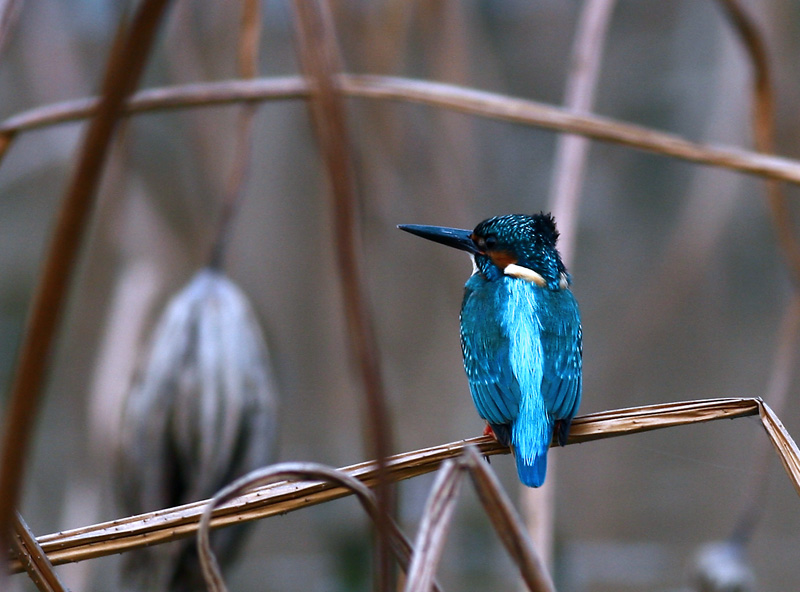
488	431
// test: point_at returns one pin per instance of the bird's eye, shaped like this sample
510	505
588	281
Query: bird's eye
485	243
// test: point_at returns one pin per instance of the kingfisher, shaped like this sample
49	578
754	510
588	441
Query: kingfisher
521	334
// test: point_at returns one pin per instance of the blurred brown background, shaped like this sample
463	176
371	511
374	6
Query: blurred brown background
681	285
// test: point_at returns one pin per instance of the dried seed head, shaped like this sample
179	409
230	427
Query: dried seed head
201	410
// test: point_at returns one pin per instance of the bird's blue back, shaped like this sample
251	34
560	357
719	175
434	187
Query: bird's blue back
522	354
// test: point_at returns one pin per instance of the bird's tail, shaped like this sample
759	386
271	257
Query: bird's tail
531	472
531	441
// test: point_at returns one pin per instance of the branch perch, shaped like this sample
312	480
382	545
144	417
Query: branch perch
278	498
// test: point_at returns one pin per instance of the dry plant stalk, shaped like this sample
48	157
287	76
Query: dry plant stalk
125	65
572	151
763	126
249	37
435	94
321	61
278	498
508	525
438	513
566	188
783	443
763	123
291	472
434	526
319	56
36	563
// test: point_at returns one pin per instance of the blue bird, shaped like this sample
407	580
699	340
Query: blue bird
520	333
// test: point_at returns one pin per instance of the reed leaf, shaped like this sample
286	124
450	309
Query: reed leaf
784	445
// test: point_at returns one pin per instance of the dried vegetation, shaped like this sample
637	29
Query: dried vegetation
323	85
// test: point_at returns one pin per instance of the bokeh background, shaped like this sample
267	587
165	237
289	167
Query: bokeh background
680	280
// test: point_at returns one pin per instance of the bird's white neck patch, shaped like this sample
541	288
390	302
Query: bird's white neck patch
524	273
527	274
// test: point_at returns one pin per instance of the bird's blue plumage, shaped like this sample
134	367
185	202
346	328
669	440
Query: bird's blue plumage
522	353
520	334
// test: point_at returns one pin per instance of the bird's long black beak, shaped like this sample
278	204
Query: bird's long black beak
452	237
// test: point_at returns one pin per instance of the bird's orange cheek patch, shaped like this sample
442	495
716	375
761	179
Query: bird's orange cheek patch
502	258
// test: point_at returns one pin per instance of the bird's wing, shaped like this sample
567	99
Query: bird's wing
495	389
562	349
485	345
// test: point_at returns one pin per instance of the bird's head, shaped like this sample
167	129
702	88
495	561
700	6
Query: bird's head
516	245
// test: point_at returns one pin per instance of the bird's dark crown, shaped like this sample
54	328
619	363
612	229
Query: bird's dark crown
528	241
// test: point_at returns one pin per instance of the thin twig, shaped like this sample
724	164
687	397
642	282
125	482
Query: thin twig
320	59
763	114
565	193
763	124
9	14
172	523
234	189
125	65
507	524
436	94
571	150
36	563
435	524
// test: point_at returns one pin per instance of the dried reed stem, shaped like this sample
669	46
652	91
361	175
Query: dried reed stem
172	523
433	529
125	65
783	367
249	37
783	443
763	121
9	14
763	124
571	150
507	524
437	94
321	61
33	558
565	193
